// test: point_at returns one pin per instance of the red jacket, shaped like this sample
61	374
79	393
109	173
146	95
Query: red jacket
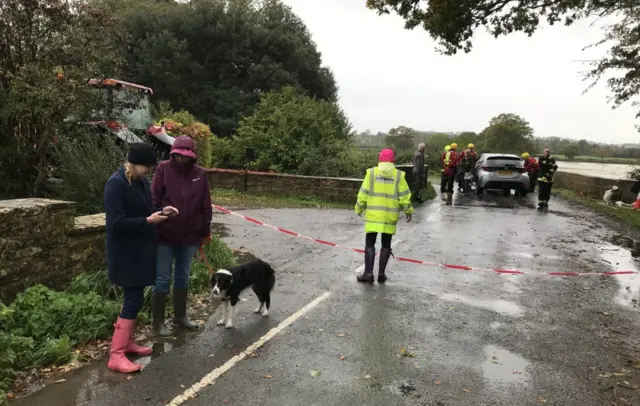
531	165
473	154
450	169
185	188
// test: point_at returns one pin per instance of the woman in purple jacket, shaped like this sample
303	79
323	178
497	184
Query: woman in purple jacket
180	183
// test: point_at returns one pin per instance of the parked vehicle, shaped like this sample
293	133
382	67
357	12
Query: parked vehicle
130	103
501	172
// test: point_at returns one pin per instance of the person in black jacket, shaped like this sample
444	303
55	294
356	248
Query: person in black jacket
548	168
131	246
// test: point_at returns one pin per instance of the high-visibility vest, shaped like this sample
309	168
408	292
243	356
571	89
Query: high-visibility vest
382	198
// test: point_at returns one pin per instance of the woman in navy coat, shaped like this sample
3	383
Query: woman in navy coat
131	246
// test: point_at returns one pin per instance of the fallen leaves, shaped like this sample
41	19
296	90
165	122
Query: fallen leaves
437	382
541	400
342	358
623	373
267	377
406	353
315	373
367	377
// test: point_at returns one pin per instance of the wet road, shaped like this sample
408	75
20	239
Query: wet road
429	337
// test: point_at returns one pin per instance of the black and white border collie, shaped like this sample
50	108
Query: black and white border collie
227	284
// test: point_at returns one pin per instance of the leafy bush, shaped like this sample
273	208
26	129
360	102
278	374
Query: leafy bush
183	123
42	313
41	326
16	354
86	161
293	133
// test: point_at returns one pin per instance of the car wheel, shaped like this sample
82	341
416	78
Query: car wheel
523	192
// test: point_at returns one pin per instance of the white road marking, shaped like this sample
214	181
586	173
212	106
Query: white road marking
212	376
393	244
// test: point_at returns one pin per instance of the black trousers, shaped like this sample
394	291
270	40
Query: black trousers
418	184
371	240
133	301
544	191
533	179
443	183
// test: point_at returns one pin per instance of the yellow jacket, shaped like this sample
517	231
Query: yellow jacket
384	193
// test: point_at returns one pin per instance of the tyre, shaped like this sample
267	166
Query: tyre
523	192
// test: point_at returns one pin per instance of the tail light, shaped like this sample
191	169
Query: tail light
485	168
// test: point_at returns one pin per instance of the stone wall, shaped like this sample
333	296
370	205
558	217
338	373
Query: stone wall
593	186
42	241
266	183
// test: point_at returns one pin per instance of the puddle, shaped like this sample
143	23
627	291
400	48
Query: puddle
86	384
497	305
620	259
503	366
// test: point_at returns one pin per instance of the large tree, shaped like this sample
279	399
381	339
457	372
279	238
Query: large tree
214	57
507	133
48	50
453	24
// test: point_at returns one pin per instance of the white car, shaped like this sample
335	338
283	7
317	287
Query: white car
501	172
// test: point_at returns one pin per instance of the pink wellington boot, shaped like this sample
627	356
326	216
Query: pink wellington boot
133	348
119	345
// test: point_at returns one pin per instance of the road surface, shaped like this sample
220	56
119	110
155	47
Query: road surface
429	337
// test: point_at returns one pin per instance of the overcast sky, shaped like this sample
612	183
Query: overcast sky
389	76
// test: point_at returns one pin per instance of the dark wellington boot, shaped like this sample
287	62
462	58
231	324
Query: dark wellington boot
158	300
180	309
385	253
369	260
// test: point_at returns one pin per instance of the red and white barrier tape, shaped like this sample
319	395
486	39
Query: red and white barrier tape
420	262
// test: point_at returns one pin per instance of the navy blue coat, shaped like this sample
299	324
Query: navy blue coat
131	241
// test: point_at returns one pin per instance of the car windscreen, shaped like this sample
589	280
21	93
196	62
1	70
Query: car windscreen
503	161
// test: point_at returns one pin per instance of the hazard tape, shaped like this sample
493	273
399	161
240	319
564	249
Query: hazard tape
420	262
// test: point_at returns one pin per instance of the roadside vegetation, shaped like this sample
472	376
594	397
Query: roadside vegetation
42	327
626	215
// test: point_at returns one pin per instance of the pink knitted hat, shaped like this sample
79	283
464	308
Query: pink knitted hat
387	155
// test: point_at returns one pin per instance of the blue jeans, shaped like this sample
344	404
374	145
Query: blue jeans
182	254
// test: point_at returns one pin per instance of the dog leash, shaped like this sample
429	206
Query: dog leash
204	260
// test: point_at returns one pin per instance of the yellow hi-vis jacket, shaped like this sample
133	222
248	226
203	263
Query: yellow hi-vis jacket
383	194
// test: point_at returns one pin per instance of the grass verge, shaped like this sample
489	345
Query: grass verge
231	196
625	214
43	327
430	192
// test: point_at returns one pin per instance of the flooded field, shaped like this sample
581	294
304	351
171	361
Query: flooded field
613	171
